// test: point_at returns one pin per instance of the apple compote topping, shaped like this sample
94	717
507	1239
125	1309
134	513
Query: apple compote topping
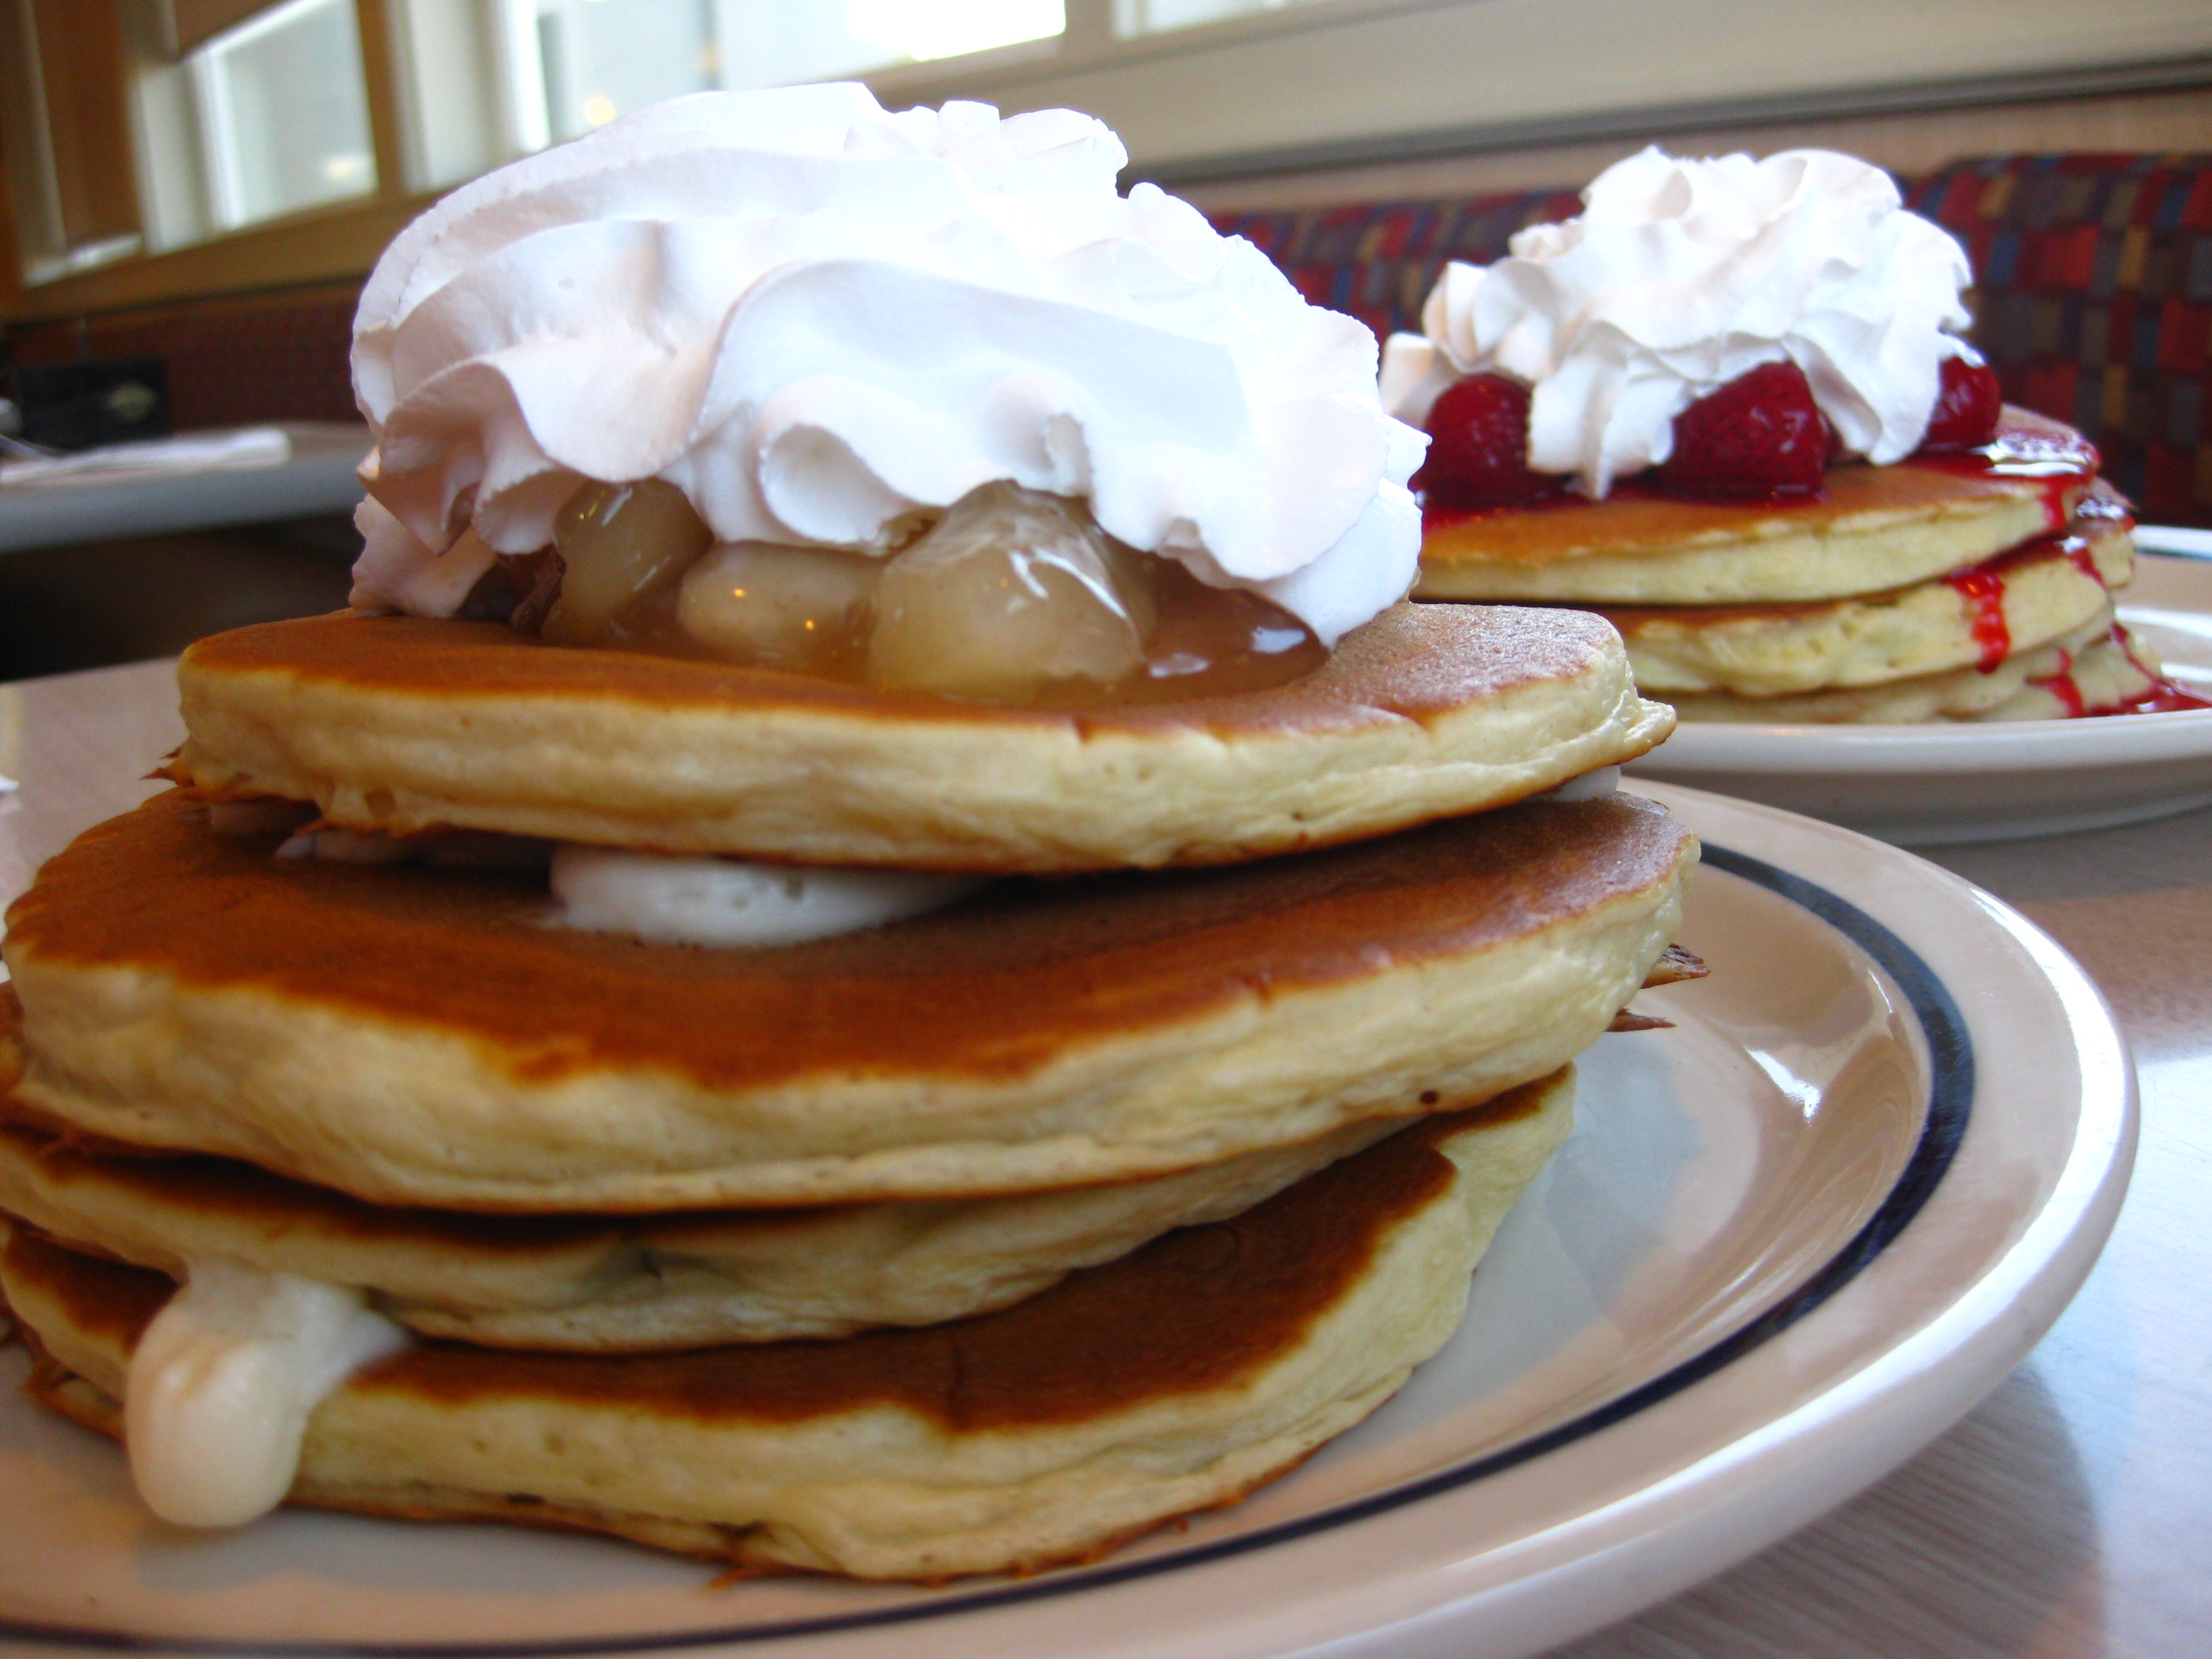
1009	596
801	608
622	546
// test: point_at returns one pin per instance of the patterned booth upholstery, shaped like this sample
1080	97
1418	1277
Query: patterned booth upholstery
2095	296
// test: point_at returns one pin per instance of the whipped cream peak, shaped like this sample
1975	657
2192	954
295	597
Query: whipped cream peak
813	318
1681	275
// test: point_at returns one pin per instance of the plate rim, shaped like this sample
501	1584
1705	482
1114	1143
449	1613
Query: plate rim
1948	1056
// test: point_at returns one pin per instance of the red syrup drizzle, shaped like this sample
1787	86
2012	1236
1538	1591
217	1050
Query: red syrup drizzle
2025	447
1983	589
2161	697
2064	686
1437	515
1982	585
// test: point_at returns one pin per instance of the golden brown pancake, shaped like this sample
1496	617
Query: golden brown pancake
588	1283
2094	669
1873	528
2018	602
1176	1379
401	723
422	1035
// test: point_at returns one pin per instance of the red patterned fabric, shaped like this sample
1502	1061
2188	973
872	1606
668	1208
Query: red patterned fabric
2093	299
2094	304
1378	261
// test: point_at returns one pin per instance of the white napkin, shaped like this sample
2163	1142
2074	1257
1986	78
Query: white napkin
192	452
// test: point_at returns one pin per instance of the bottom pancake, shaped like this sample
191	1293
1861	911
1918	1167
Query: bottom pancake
2021	599
621	1284
1176	1379
2096	669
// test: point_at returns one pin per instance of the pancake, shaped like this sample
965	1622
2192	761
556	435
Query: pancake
1176	1379
594	1283
400	724
1872	530
2094	669
411	1035
2023	598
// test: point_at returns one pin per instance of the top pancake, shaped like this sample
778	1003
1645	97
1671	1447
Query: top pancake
401	723
1872	528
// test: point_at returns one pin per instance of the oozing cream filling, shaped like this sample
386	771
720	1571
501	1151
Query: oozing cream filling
1591	785
729	901
649	896
224	1381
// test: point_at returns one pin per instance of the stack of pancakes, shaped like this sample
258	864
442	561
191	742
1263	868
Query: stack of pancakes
1943	587
974	1242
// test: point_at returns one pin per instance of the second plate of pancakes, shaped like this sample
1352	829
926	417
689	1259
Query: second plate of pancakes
1923	785
1787	1242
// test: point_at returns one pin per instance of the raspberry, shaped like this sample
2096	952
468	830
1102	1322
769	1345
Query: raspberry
1760	434
1479	447
1967	407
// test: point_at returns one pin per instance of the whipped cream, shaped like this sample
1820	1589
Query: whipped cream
731	902
1681	275
224	1381
813	318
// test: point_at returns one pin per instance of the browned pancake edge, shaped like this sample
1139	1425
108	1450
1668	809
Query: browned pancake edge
1195	1311
994	988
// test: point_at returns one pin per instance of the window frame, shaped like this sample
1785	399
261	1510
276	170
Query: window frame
1089	66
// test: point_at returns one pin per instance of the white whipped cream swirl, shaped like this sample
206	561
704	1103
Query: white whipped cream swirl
813	317
1681	275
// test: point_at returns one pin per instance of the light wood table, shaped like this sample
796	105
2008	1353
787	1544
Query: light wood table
2070	1516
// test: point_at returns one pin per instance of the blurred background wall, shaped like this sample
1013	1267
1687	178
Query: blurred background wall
206	182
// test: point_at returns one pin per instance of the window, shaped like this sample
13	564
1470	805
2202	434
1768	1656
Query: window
282	112
161	149
1135	17
485	81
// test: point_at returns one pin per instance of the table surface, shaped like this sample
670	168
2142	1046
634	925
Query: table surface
2070	1516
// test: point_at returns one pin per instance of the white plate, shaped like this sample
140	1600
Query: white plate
1917	784
1790	1241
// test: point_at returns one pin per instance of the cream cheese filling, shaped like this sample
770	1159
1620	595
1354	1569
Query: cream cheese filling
733	902
663	898
1591	785
224	1381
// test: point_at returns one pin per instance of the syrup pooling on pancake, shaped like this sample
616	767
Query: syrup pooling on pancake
1011	595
